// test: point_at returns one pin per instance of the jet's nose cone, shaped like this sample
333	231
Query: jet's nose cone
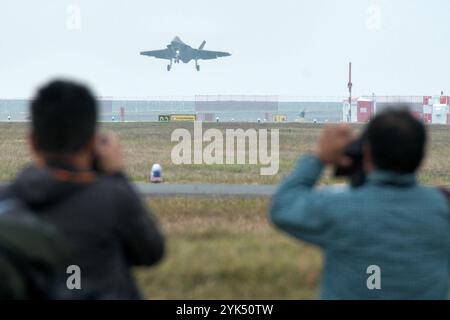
176	39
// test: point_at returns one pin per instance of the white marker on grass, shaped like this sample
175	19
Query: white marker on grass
156	174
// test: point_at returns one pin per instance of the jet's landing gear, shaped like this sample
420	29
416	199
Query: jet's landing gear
197	66
169	66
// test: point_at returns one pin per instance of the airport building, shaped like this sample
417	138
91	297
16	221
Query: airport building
251	108
239	108
431	109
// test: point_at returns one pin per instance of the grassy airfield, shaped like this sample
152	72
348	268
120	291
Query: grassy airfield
222	248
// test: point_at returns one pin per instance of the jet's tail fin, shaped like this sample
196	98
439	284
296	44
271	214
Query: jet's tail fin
202	45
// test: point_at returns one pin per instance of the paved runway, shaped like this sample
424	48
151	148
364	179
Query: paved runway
201	190
205	190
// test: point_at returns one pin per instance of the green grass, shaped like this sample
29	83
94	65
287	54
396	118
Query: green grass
147	143
225	249
222	248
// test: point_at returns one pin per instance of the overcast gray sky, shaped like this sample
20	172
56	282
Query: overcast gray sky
283	47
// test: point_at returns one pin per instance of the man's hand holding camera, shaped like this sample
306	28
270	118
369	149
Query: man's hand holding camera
332	143
109	153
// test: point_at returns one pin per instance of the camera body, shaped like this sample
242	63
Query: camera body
355	172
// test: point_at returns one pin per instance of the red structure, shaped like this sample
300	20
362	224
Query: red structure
122	114
364	110
436	110
209	117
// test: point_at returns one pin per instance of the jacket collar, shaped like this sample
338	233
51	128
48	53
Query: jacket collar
66	172
392	178
61	165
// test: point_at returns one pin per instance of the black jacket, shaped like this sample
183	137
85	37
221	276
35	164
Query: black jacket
107	228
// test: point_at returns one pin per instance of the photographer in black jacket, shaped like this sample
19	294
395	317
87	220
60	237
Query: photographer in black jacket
77	184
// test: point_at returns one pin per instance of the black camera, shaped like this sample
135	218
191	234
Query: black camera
355	172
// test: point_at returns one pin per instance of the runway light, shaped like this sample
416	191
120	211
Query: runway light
156	174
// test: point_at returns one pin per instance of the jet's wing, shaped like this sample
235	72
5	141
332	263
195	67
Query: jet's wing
159	54
209	55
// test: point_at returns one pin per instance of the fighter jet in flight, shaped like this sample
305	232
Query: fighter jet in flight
178	51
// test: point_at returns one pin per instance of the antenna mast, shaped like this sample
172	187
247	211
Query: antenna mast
350	84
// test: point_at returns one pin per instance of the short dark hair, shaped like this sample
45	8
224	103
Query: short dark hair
64	117
397	140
